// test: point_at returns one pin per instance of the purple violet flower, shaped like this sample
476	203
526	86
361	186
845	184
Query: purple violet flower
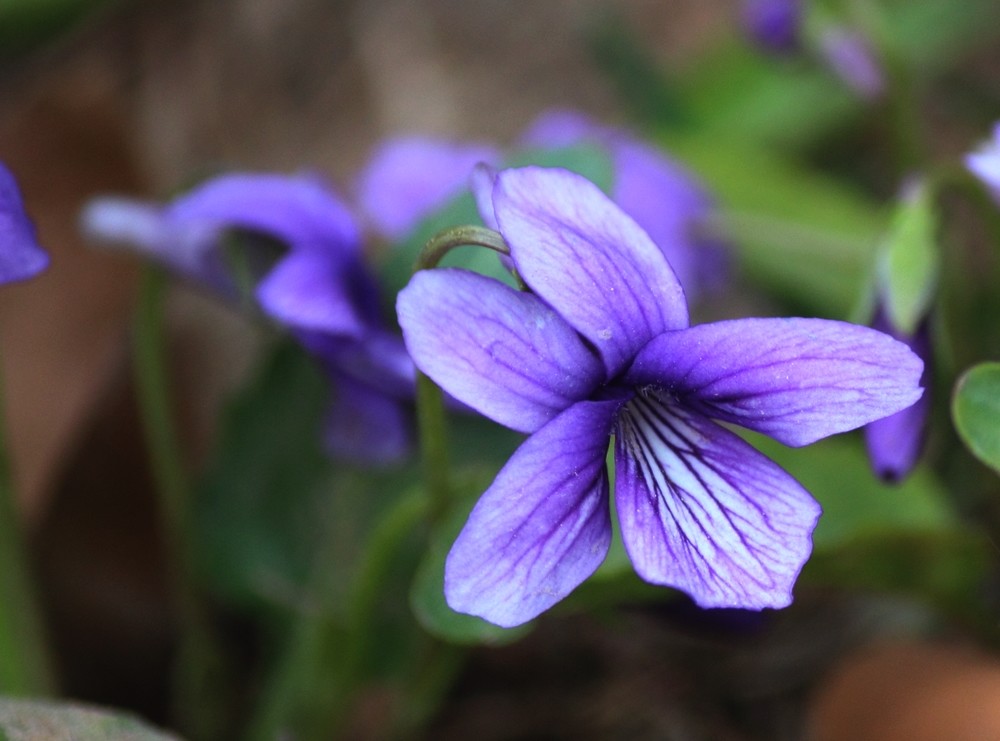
894	443
601	347
408	178
21	257
851	57
773	24
299	253
984	163
664	198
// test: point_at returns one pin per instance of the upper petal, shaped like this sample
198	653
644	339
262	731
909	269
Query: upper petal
589	260
797	380
21	257
702	511
542	527
409	177
297	210
502	352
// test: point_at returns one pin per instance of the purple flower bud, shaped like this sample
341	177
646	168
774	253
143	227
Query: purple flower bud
773	24
850	56
984	163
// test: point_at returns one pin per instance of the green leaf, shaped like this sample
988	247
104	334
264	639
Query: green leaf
257	507
32	720
427	593
908	259
856	505
975	409
801	235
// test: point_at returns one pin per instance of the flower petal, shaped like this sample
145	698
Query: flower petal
504	353
797	380
298	210
702	511
365	425
308	290
589	260
21	257
407	178
542	527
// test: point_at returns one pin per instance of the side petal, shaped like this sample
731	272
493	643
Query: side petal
542	527
21	257
589	260
307	290
702	511
407	178
365	425
504	353
797	380
298	210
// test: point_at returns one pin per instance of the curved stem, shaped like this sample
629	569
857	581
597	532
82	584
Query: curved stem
460	236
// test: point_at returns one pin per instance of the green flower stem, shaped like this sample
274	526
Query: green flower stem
25	663
198	663
310	693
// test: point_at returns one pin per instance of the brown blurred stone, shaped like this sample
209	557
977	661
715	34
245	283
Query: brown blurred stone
910	692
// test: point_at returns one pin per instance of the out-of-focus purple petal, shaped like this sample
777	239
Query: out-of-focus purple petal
21	257
587	259
561	127
297	210
669	204
484	178
797	380
850	56
542	527
186	248
504	353
984	163
894	443
364	425
773	24
306	290
702	511
409	177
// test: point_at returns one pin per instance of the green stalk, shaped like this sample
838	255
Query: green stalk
25	664
310	693
199	660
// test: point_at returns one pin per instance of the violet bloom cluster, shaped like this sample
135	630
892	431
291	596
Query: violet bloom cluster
292	245
410	177
599	347
21	257
851	57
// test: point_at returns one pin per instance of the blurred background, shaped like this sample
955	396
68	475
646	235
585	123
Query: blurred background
146	97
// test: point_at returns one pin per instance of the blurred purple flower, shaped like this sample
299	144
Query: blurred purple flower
292	245
894	443
21	257
984	163
601	346
851	57
410	177
773	24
